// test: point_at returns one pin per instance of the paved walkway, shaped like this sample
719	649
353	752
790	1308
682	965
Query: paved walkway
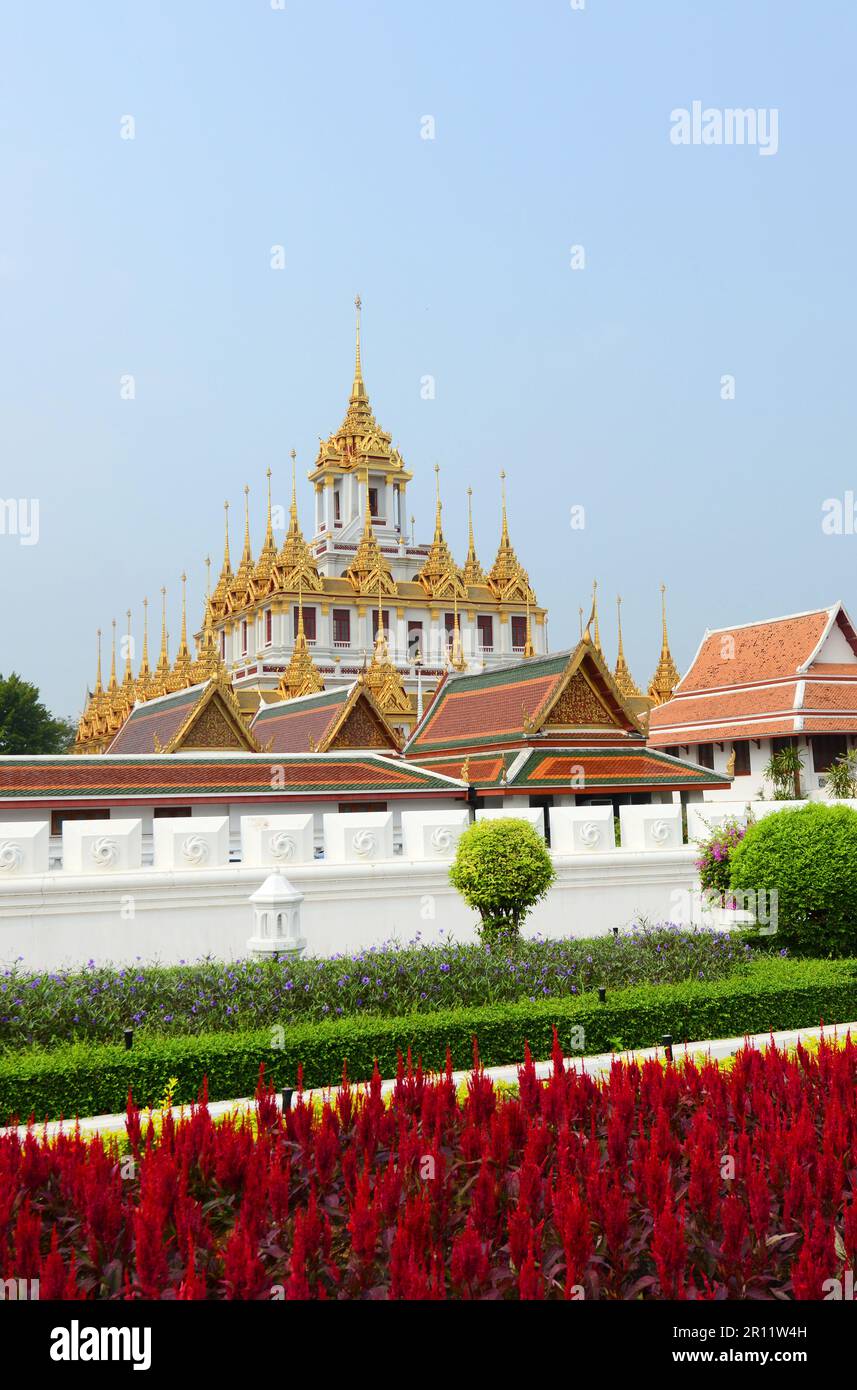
593	1066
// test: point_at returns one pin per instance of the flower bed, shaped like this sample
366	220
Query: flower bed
88	1079
98	1003
688	1182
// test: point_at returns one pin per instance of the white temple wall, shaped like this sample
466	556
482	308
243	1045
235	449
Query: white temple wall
60	919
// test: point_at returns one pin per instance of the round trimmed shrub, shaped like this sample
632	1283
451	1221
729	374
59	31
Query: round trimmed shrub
502	868
808	858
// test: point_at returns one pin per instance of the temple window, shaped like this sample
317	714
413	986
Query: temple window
373	501
705	755
57	817
244	636
309	623
826	748
269	627
485	629
223	643
337	507
342	627
519	632
415	639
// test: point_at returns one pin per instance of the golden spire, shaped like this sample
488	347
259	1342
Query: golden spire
529	649
472	572
144	672
208	661
180	675
218	598
370	566
507	577
439	575
112	687
456	656
268	554
666	676
128	680
622	674
381	676
296	567
358	389
596	640
300	676
99	688
163	665
239	588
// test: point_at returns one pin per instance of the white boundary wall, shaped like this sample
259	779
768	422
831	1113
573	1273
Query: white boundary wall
107	906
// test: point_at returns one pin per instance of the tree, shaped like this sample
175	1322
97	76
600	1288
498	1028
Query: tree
502	868
26	726
801	865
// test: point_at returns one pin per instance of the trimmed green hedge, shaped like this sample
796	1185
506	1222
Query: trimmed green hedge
80	1080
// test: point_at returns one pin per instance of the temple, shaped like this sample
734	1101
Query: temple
358	603
756	688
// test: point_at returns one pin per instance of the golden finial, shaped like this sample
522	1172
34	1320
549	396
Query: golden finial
456	658
129	675
164	658
227	566
580	621
358	390
208	576
413	532
98	686
465	769
622	674
504	534
472	572
269	529
181	666
666	676
596	634
529	649
247	556
112	686
294	508
143	673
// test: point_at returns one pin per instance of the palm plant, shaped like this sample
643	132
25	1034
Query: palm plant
841	777
783	772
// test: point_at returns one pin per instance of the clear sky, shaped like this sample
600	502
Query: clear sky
598	387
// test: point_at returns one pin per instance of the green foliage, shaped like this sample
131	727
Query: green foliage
808	858
84	1079
502	868
26	726
783	772
841	778
97	1003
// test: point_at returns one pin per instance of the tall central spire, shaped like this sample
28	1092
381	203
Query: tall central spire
358	390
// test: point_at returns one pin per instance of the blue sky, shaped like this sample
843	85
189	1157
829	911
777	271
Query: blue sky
599	387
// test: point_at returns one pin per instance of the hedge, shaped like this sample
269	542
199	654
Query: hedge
89	1080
